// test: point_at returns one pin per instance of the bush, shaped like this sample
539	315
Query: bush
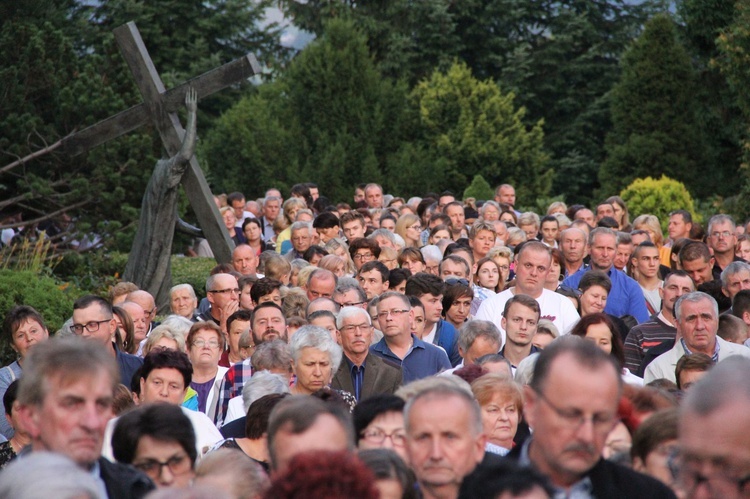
93	272
479	189
658	197
193	271
54	300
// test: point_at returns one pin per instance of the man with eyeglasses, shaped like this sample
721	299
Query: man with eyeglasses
418	359
363	250
722	240
349	293
93	320
362	373
533	260
66	396
714	456
223	294
571	404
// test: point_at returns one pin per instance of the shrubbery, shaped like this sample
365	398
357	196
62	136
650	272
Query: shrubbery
193	271
658	197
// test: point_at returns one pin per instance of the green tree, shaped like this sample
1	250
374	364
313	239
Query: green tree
654	114
477	130
734	63
658	197
479	189
330	117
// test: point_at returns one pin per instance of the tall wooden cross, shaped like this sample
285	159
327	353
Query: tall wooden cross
160	107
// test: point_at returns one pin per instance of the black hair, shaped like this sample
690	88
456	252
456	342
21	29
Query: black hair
164	358
370	408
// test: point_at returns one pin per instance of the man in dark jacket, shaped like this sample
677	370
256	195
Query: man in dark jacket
571	404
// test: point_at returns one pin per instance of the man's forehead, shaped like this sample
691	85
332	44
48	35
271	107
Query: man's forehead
604	240
371	274
165	372
238	325
267	313
92	310
679	281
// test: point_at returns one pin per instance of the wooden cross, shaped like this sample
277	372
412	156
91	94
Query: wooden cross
160	107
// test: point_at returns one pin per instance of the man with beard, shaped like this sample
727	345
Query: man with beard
268	323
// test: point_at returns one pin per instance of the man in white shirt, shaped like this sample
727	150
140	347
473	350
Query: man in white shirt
532	266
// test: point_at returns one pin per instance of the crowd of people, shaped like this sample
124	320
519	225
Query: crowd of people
429	347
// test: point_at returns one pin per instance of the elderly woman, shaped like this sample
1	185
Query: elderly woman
409	228
501	401
205	344
315	359
163	336
23	327
490	211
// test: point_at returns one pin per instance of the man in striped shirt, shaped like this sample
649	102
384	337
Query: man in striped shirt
660	328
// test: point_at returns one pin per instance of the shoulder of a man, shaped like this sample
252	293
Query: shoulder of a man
613	480
123	481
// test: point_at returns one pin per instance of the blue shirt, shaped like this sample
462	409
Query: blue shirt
422	359
625	298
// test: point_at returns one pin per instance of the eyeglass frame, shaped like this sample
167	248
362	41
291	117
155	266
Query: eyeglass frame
161	464
395	313
350	328
224	291
385	435
675	469
75	327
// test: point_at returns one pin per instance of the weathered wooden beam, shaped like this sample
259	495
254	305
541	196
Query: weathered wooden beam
171	132
173	100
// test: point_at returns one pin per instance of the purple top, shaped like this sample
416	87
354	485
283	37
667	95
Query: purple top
203	389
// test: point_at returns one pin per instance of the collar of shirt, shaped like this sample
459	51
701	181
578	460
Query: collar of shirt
714	357
582	489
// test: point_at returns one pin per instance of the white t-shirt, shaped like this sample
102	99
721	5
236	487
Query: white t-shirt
206	434
554	307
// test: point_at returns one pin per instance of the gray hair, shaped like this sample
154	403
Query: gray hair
624	238
601	230
443	391
315	337
180	287
562	219
720	219
212	280
383	233
694	297
263	383
163	331
516	236
299	264
733	269
529	218
725	383
350	312
302	225
244	476
271	198
178	324
61	478
486	204
474	329
346	284
431	252
272	354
